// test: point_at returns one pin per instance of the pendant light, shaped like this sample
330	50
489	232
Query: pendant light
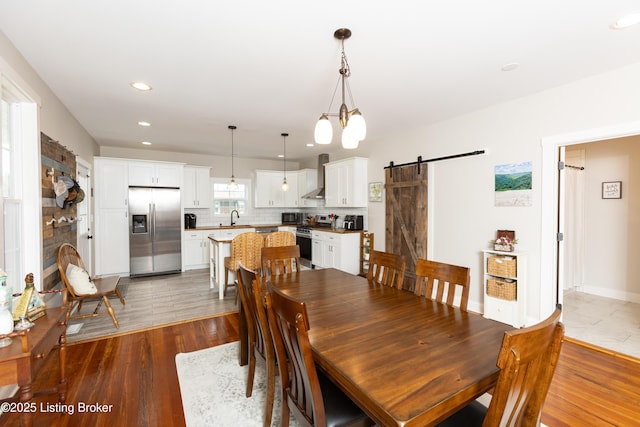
354	128
232	182
285	186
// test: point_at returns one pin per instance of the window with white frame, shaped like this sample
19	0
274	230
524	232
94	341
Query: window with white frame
18	130
226	198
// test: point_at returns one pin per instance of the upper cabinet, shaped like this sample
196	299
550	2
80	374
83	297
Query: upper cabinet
196	190
269	192
155	174
307	181
346	183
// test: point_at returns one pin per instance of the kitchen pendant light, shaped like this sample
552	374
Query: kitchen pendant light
354	128
285	186
232	182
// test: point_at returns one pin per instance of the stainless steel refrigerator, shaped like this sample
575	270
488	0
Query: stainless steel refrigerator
154	231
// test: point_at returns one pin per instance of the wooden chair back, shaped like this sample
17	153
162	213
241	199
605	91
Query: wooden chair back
246	248
106	286
527	361
280	238
386	269
260	342
280	260
301	392
442	282
67	254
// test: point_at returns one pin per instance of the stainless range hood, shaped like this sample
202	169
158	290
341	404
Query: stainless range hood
318	193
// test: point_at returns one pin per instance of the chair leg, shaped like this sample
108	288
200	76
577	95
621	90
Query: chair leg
252	372
110	310
120	295
271	390
226	280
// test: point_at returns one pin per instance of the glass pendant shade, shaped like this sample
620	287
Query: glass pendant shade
349	140
285	186
358	125
324	131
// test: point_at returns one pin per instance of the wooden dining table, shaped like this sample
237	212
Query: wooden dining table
405	360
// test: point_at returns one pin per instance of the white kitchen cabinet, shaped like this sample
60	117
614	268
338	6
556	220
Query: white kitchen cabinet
196	249
505	286
111	236
269	193
336	250
346	183
196	190
155	174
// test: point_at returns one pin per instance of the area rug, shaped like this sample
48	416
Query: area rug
212	386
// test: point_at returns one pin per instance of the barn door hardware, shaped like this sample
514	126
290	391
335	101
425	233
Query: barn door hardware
435	159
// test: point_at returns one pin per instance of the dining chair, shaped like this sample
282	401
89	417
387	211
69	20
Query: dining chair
245	248
280	238
386	268
439	282
80	287
527	361
280	260
260	342
312	398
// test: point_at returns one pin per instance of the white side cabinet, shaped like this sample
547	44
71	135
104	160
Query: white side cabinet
155	174
196	190
336	250
196	249
346	183
505	287
111	237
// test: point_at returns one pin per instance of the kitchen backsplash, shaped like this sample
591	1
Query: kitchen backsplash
272	216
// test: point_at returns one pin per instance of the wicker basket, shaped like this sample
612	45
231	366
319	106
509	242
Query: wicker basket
504	289
504	266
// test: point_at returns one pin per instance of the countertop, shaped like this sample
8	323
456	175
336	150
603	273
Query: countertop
226	227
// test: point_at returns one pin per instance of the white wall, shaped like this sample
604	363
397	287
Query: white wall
465	218
612	226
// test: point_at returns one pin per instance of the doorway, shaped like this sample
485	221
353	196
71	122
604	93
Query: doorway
84	230
600	288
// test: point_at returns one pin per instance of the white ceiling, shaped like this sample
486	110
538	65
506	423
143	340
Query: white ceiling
271	66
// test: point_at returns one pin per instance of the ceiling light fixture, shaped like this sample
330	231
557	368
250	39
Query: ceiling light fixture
146	143
141	86
285	186
354	128
626	21
232	182
145	124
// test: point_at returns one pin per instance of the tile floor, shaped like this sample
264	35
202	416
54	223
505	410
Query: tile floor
605	322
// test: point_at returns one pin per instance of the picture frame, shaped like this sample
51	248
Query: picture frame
375	191
612	189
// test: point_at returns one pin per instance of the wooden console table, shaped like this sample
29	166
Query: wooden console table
23	358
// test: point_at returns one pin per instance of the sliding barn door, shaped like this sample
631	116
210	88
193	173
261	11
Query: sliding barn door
406	215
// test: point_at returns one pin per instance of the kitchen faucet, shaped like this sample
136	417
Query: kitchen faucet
237	215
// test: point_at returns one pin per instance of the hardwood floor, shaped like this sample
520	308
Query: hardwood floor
136	374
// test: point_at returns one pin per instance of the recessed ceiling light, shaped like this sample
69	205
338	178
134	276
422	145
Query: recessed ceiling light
626	21
281	155
510	67
145	124
146	143
310	144
140	86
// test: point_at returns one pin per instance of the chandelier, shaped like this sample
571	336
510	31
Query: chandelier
354	128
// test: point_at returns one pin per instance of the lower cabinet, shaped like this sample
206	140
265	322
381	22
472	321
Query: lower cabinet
336	250
196	249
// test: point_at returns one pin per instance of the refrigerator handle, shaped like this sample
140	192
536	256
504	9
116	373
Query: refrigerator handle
152	212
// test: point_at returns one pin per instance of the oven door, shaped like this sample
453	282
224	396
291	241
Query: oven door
305	249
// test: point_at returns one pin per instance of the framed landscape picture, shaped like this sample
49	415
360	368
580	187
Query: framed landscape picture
513	184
